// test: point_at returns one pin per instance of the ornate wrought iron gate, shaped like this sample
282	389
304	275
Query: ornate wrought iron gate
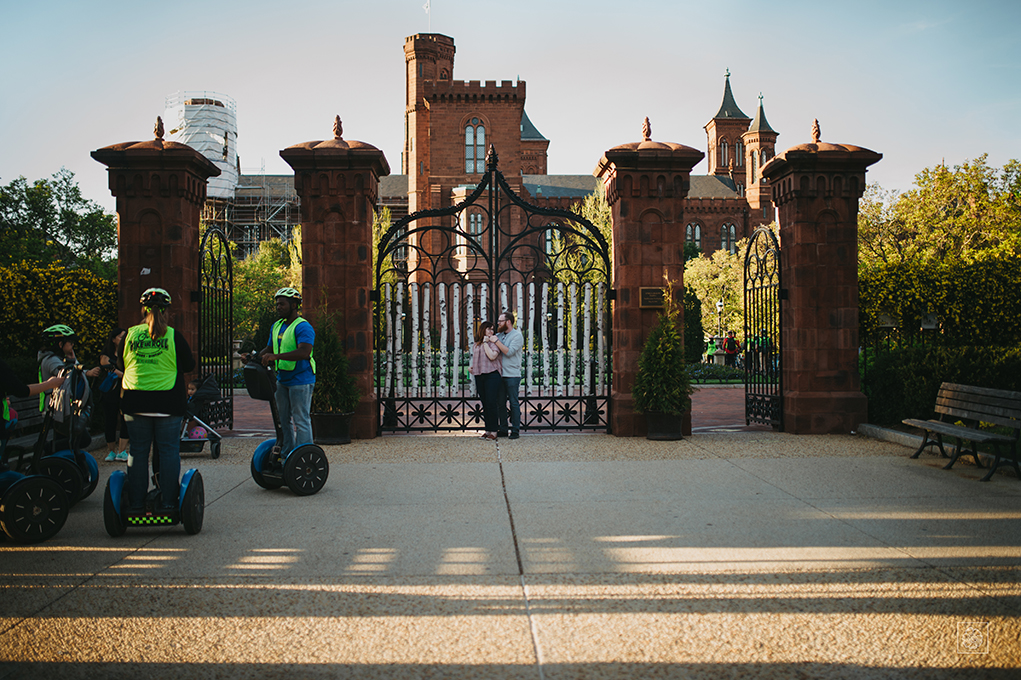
439	273
762	330
216	324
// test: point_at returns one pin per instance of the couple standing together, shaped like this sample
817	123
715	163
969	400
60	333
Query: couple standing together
496	365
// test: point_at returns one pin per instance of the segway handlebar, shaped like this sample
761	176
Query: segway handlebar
259	380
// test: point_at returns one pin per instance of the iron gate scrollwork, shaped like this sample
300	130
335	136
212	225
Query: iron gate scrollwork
440	272
762	330
216	324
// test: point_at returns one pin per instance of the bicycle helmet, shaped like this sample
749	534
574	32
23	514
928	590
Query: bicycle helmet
288	293
59	332
156	297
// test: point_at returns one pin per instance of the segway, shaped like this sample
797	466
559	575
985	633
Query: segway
33	508
303	469
74	469
118	516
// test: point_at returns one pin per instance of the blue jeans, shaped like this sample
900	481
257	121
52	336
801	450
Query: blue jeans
509	392
295	404
165	433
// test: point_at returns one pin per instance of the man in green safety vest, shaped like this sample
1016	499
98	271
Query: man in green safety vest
291	342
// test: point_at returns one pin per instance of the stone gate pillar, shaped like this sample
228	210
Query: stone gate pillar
646	184
337	182
816	188
160	188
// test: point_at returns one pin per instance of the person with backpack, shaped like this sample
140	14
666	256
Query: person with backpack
57	357
11	386
109	388
731	348
153	398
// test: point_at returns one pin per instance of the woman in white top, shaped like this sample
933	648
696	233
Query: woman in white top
485	366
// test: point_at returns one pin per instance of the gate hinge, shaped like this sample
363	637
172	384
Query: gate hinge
196	296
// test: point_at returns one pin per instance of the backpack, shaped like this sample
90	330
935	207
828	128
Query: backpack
72	401
730	345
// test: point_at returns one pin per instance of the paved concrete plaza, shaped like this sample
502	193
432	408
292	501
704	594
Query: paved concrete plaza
728	554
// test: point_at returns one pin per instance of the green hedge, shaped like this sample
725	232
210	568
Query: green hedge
975	303
903	383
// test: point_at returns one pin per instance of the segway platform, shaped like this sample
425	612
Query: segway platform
190	510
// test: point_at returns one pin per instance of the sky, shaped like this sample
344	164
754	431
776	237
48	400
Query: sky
921	82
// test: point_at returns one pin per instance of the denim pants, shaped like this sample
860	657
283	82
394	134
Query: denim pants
509	392
295	404
143	433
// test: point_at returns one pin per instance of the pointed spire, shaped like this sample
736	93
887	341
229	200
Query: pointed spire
729	107
760	124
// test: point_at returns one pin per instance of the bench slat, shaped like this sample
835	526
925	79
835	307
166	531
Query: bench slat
986	391
1006	406
967	433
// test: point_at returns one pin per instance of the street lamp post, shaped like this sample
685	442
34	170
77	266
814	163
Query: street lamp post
719	317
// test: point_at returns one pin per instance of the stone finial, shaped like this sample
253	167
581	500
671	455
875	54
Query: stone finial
816	133
646	130
491	158
158	129
338	128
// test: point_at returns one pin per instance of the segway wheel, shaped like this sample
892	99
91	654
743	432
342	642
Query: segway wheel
116	523
93	480
259	459
306	470
193	506
33	509
214	450
66	473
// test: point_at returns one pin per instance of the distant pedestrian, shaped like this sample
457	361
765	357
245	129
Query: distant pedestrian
731	347
485	366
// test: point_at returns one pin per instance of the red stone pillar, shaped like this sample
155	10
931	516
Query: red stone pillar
816	188
160	188
646	185
337	182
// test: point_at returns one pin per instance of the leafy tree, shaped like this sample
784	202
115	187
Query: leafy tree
50	222
719	276
969	212
575	260
274	266
694	334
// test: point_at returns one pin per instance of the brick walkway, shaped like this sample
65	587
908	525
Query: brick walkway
713	409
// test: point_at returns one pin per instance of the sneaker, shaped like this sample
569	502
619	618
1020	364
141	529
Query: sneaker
514	435
111	457
122	457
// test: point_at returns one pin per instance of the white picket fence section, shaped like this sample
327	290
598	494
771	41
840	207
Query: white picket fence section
565	353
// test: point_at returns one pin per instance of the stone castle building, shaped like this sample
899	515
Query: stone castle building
449	125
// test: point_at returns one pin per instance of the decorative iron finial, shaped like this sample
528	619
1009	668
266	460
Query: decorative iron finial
158	130
338	128
727	74
491	158
760	99
816	134
646	130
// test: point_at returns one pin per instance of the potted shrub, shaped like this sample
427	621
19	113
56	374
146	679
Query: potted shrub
336	395
662	389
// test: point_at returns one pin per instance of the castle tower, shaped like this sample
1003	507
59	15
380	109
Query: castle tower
429	57
760	147
726	145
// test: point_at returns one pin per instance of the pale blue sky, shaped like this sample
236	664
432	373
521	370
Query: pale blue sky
917	81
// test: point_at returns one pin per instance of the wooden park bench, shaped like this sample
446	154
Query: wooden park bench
22	443
973	406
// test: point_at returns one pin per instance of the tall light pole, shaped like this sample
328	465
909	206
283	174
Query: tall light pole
719	316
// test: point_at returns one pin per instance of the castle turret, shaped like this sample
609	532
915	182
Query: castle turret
724	133
760	146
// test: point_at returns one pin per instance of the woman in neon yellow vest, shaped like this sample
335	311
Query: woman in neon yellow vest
290	345
153	400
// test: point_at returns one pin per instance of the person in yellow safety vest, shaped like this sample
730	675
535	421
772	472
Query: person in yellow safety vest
291	343
155	360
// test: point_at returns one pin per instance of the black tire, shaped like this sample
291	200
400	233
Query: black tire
264	482
34	509
90	485
67	474
214	450
116	524
193	508
306	470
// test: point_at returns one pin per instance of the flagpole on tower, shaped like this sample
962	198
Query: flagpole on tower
428	10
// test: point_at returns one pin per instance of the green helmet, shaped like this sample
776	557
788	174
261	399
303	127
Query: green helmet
288	293
59	332
155	297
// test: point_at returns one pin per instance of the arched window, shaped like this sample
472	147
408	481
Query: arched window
739	154
723	153
693	234
474	147
728	238
755	168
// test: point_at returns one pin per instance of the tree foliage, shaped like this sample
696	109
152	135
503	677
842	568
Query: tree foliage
662	384
719	276
694	334
50	222
275	265
970	212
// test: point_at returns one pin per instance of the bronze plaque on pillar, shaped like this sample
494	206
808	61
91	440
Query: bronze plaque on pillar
650	298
